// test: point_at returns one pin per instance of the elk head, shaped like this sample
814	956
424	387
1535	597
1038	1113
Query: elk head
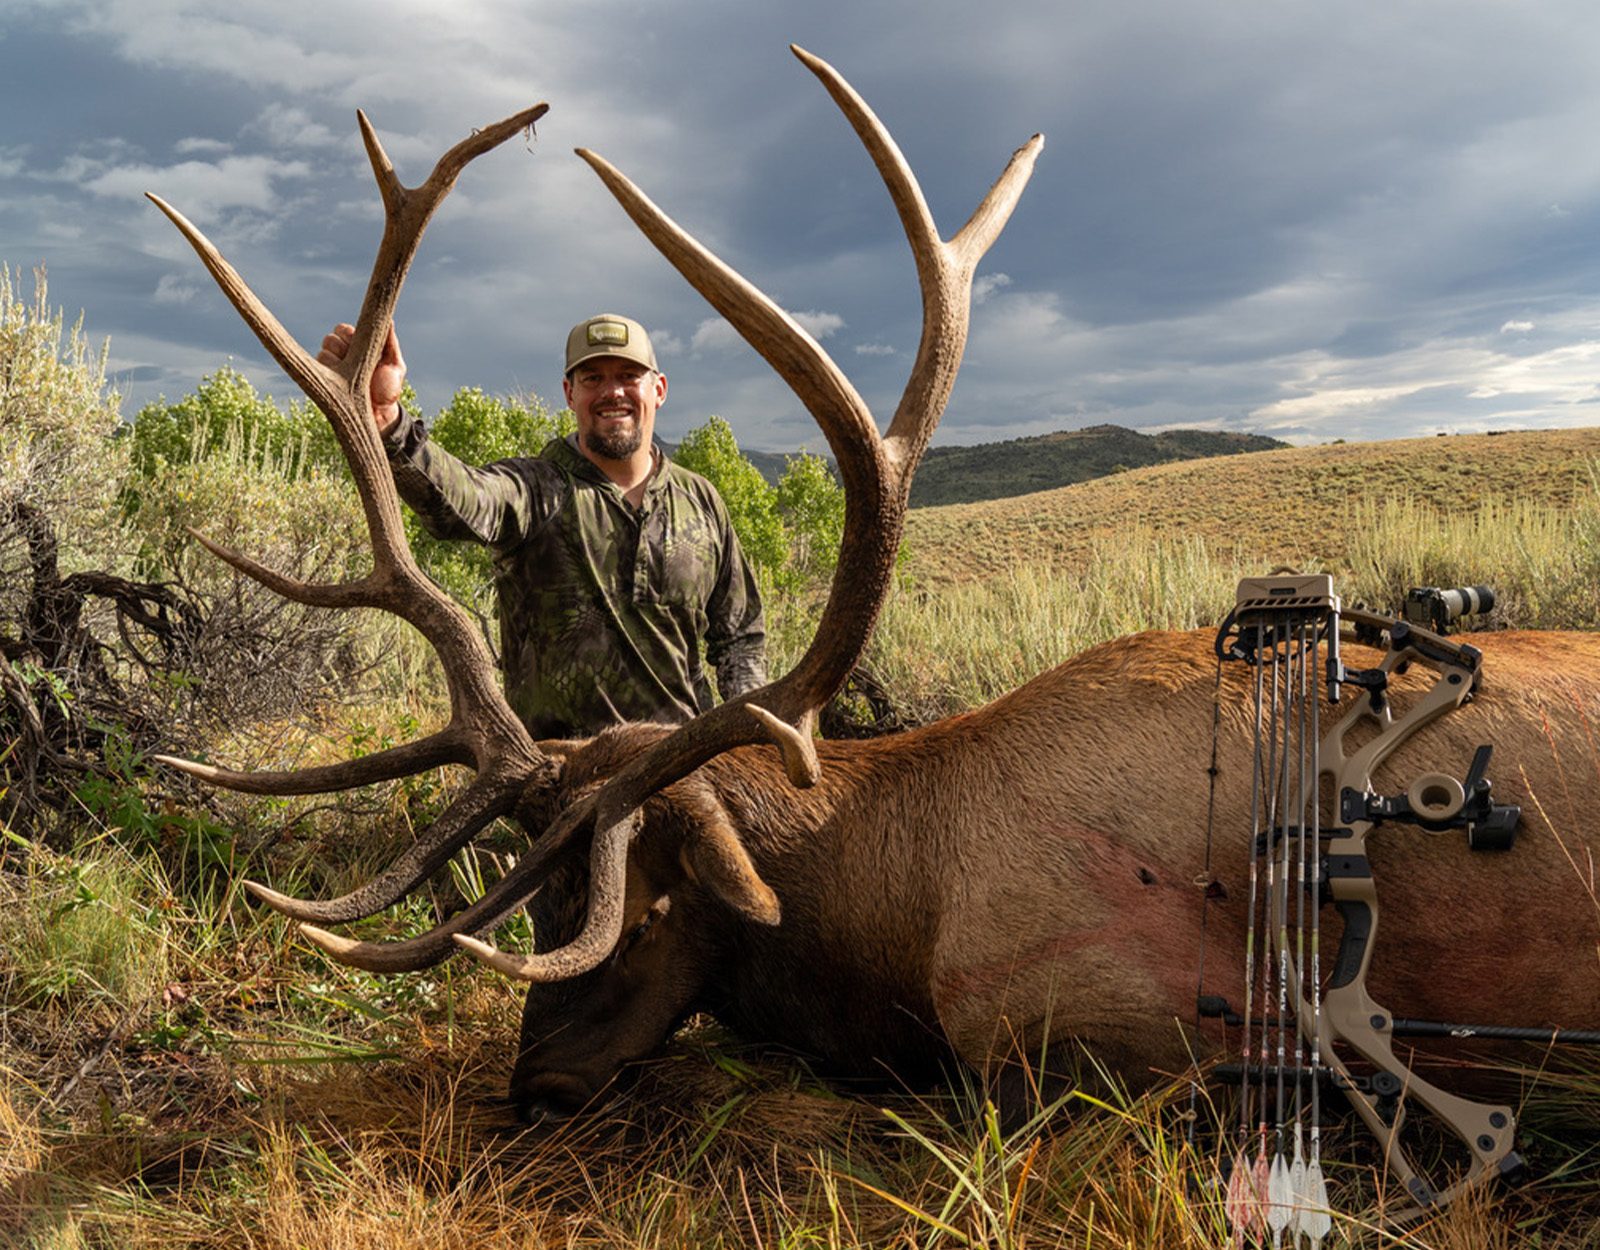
514	776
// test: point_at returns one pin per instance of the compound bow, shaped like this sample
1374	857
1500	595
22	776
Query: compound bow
1288	628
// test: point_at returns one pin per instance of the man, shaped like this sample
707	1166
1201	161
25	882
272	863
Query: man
612	564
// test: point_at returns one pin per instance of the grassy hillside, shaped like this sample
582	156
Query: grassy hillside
1291	506
952	475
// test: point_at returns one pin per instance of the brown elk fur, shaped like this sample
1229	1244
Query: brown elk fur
1034	871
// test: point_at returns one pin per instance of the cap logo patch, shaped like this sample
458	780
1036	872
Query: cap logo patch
608	334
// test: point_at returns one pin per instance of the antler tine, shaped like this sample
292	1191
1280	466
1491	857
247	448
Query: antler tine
483	916
944	270
487	798
448	746
406	216
876	472
482	732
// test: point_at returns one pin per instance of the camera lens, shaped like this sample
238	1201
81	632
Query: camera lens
1467	601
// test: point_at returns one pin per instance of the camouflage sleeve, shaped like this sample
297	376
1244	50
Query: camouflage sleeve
495	505
736	631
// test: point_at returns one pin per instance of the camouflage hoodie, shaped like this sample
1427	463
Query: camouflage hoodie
602	608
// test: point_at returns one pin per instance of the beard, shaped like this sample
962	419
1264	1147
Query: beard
618	445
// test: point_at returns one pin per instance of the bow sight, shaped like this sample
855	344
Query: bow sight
1313	806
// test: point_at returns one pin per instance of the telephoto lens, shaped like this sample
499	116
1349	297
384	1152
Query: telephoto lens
1467	600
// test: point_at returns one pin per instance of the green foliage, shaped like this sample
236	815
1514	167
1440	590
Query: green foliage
56	414
85	930
712	451
58	457
790	531
118	797
226	415
479	428
290	513
233	465
811	503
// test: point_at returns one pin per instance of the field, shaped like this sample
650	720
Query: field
178	1069
1296	507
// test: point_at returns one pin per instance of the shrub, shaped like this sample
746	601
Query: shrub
60	465
226	414
712	451
811	504
60	462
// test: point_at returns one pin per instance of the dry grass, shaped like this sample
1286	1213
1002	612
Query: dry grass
714	1147
1303	507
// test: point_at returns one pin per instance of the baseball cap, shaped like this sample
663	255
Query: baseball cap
609	335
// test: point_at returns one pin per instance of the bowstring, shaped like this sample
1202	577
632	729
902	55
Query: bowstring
1206	882
1250	929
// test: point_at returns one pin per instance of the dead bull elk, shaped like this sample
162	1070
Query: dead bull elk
1022	874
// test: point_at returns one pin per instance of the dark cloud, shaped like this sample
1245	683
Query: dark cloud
1310	222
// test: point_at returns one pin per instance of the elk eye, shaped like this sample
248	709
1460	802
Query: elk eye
657	910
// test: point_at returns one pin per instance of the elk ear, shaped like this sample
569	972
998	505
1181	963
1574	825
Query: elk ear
715	858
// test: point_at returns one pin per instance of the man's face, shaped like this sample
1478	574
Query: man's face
615	401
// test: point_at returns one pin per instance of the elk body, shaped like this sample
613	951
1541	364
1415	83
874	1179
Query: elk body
1033	872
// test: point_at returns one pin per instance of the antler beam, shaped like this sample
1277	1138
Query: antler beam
876	471
482	732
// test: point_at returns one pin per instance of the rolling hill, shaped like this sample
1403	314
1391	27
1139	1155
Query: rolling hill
1286	505
951	475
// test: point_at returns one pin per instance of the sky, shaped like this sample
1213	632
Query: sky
1367	220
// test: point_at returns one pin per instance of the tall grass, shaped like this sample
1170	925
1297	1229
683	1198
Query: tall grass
948	649
1543	562
85	931
956	645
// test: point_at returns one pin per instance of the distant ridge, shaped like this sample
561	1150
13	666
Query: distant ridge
951	475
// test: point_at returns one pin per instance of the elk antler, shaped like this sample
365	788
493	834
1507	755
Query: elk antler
875	471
